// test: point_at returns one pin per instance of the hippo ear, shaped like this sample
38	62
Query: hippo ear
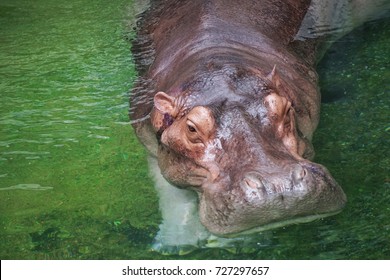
164	103
165	112
274	77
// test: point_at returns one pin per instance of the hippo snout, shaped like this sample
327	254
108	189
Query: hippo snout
260	200
297	179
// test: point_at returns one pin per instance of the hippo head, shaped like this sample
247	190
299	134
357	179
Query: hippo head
235	140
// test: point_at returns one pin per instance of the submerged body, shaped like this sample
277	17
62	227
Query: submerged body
227	103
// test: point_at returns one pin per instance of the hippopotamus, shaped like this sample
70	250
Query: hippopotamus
226	103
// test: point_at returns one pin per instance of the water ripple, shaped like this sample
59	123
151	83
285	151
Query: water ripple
27	187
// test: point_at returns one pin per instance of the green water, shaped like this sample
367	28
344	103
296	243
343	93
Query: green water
73	178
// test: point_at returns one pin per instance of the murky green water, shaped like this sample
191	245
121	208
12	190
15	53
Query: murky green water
73	178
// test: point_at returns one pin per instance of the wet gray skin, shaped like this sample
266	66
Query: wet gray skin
227	101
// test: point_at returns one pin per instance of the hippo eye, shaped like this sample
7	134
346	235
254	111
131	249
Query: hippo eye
193	133
191	128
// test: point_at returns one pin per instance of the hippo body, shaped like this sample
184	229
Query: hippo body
226	103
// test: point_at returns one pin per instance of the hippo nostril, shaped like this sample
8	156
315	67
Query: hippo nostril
299	174
252	181
303	173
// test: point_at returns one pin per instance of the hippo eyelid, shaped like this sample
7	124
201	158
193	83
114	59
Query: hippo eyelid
191	126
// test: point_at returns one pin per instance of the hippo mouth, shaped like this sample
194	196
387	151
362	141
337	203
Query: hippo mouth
279	224
255	204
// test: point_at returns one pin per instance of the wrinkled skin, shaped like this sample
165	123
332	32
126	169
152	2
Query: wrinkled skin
227	101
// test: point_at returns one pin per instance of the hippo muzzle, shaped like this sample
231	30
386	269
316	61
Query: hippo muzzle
260	202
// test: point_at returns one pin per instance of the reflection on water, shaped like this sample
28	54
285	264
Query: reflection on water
64	132
31	187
